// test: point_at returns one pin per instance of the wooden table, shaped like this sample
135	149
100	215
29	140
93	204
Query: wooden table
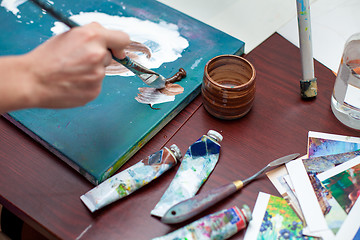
45	192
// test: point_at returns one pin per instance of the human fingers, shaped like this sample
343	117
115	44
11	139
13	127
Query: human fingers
117	41
107	59
114	40
119	53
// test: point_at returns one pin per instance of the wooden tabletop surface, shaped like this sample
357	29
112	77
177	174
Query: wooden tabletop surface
45	192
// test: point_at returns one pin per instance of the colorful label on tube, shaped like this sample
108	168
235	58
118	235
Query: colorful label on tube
126	182
219	225
199	161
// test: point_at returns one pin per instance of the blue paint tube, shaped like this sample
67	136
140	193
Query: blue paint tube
220	225
199	161
131	179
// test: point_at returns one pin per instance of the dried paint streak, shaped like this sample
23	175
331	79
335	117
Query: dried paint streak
303	6
196	63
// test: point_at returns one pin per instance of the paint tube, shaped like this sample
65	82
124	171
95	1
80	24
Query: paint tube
131	179
199	161
219	225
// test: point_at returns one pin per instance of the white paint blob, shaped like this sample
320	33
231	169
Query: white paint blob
162	38
12	5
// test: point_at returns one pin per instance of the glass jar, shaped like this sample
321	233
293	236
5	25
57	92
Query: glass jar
345	100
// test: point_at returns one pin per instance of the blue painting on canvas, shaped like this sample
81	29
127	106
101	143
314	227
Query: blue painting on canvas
98	138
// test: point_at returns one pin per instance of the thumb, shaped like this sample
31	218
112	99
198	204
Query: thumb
119	53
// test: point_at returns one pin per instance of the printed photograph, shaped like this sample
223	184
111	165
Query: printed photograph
345	187
321	144
280	221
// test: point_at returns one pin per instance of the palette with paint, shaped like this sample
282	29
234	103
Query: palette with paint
98	138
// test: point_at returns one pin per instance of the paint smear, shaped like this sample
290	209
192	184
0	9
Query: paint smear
162	39
196	63
153	96
12	5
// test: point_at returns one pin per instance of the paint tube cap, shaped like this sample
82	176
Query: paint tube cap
175	149
214	134
247	212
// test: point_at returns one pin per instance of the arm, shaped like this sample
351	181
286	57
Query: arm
65	71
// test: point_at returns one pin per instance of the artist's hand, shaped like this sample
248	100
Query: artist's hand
68	69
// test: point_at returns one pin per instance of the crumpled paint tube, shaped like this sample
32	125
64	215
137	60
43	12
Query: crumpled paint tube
219	225
199	161
131	179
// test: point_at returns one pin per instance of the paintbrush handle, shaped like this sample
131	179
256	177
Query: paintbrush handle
57	15
193	206
133	66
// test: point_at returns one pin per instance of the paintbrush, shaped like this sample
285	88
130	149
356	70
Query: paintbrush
193	206
148	76
308	83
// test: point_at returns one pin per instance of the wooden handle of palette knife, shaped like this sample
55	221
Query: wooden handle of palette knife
207	199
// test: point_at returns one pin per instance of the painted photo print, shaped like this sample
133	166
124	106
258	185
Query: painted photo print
273	218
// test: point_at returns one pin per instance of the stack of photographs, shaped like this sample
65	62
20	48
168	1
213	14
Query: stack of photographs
321	188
